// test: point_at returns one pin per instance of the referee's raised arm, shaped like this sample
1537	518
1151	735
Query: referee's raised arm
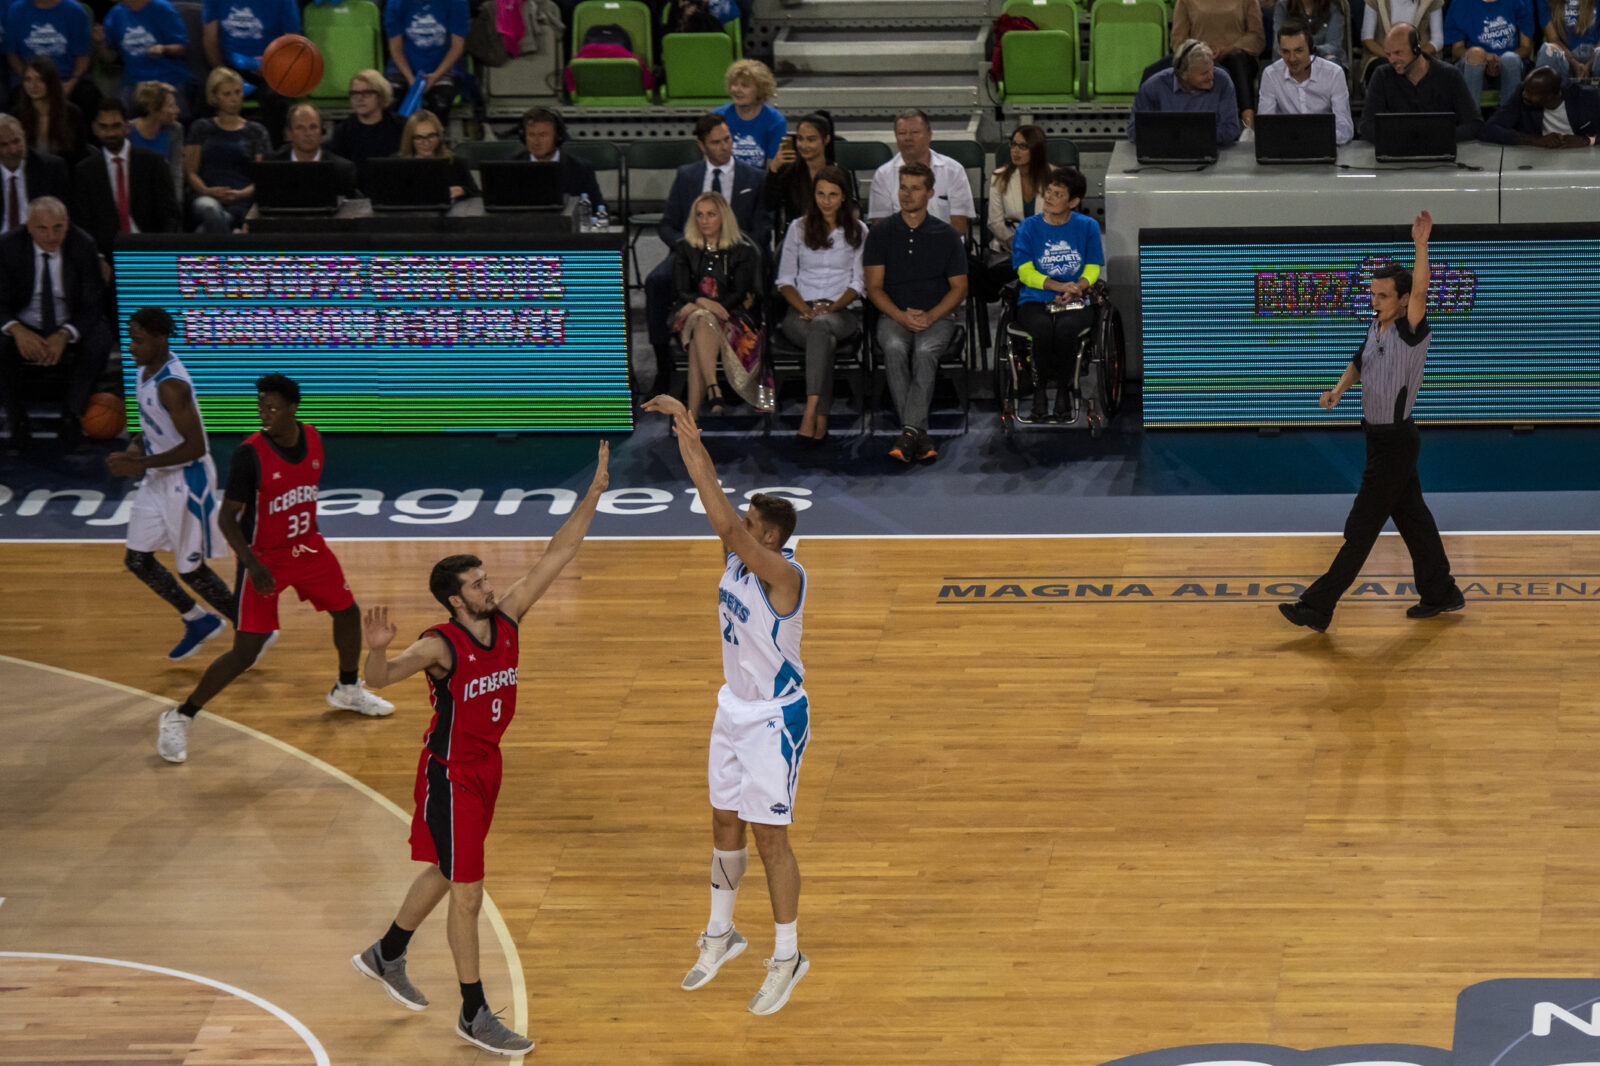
1418	305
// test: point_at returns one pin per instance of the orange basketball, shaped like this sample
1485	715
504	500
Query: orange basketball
292	65
105	417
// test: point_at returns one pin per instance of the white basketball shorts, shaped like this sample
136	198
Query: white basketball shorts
754	765
177	511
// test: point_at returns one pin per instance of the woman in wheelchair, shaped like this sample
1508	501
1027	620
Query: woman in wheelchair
715	275
819	277
1058	257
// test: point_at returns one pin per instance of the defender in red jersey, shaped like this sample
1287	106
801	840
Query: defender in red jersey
269	518
471	668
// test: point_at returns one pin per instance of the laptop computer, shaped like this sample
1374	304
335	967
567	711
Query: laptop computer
1176	137
1296	139
284	187
397	184
1422	137
520	185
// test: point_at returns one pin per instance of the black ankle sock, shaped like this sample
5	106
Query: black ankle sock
348	677
394	942
472	1000
187	709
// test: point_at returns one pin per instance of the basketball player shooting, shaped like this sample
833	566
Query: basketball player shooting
762	722
471	666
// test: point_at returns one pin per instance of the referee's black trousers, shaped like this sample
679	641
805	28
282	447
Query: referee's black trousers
1389	489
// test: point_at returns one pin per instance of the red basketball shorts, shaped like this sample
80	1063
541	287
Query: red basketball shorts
310	568
455	805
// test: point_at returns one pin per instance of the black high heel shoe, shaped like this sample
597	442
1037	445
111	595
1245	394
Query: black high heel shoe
714	399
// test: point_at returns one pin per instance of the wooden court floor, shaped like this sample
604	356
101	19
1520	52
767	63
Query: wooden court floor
1036	827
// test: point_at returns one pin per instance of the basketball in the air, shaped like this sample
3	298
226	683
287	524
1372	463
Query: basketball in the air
292	65
105	417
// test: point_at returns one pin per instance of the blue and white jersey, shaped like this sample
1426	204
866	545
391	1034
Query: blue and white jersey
760	647
155	423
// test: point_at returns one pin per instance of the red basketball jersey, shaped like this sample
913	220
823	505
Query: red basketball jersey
285	511
474	702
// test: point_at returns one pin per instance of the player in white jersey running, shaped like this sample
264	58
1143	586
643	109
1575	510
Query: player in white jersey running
762	723
175	508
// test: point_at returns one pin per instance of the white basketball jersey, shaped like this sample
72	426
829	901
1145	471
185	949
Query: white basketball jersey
760	648
155	423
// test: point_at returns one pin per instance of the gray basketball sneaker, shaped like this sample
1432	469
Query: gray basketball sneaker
486	1032
714	951
172	735
781	979
392	974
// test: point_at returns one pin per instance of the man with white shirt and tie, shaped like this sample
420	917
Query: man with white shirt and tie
25	175
120	188
52	306
1301	82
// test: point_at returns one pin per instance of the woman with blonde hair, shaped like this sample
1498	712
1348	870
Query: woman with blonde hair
371	131
423	138
220	154
155	126
715	276
758	128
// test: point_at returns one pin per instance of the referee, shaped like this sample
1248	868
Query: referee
1389	367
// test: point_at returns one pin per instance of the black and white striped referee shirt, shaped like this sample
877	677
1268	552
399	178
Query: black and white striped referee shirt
1390	363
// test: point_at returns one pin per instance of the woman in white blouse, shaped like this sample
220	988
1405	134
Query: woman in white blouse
819	274
1015	191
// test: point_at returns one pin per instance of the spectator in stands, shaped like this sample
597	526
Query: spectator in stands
1232	30
25	175
148	38
219	155
789	188
1014	194
424	139
1413	81
951	195
371	130
915	269
1570	40
719	172
757	126
1301	83
1058	256
1490	38
819	276
1192	83
717	279
121	188
427	40
155	126
1380	17
54	123
305	146
68	328
1325	22
1549	112
57	30
236	33
543	134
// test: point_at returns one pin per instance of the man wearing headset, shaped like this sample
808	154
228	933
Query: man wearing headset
1192	83
1413	81
543	134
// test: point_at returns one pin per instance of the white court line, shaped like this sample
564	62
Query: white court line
519	988
271	1008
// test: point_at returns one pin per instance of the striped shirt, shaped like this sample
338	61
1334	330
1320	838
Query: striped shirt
1390	363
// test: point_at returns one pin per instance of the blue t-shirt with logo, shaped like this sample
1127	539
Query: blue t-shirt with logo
246	27
426	26
1569	23
1492	25
133	33
60	32
757	140
1058	252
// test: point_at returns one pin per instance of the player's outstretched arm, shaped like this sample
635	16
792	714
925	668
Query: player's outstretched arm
429	650
563	546
1421	229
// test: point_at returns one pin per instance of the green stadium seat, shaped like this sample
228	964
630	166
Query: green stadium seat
1125	37
695	65
631	15
608	83
1041	66
350	35
1046	14
642	157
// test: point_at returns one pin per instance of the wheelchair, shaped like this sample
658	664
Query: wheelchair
1095	382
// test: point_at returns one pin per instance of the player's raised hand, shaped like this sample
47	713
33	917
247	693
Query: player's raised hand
1421	228
375	626
602	474
683	422
664	404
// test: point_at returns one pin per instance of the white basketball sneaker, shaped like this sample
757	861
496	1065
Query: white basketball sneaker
782	976
359	698
714	951
172	735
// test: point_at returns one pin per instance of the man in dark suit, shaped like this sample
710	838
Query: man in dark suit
120	188
543	133
305	146
742	185
25	175
52	305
